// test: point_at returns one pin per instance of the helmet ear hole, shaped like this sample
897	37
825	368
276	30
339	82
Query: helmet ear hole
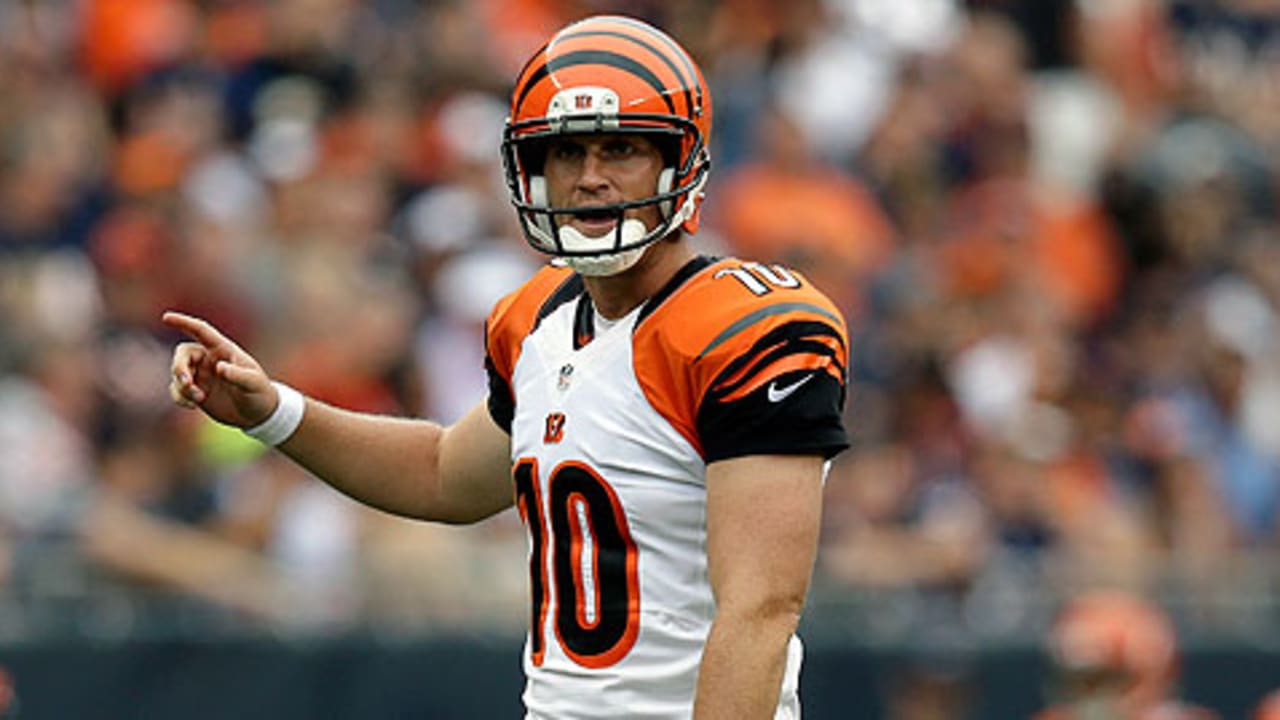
537	190
538	198
665	180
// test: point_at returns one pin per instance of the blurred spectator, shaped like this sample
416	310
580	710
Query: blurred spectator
51	184
836	78
1116	655
789	207
451	340
1003	231
123	40
1047	27
890	525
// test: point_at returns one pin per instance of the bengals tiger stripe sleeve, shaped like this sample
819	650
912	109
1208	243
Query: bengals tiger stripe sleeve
747	359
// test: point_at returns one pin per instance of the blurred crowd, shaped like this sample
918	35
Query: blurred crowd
1052	225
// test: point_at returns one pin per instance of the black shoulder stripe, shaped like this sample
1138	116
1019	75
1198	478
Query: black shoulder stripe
688	81
790	339
571	288
682	276
588	57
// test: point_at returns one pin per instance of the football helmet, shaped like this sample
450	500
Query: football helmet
1120	635
608	74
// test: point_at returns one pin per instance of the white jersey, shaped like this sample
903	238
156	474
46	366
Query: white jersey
611	432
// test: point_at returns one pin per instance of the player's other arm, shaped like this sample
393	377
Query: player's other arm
414	468
763	514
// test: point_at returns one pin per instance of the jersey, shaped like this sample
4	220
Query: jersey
611	433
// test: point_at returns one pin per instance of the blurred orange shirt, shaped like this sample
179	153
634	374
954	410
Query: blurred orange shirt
819	220
123	39
1003	232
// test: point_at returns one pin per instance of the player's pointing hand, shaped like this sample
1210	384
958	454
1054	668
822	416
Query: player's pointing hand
216	375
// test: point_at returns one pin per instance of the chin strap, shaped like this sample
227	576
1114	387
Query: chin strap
538	196
609	264
664	185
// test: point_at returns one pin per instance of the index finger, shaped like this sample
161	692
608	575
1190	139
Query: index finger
199	330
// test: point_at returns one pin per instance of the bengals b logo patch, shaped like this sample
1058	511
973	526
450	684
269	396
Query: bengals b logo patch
555	428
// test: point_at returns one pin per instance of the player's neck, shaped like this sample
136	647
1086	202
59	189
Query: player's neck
617	295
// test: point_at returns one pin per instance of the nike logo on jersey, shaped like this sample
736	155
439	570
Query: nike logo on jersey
778	394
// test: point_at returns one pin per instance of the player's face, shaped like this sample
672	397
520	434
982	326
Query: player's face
600	169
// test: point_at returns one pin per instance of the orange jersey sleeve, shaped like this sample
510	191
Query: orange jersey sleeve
744	358
510	321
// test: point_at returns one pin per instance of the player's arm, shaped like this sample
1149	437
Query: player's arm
415	468
763	514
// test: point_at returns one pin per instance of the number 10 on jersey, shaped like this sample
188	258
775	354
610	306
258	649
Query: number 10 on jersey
581	528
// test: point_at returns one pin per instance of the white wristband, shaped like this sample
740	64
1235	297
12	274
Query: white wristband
284	420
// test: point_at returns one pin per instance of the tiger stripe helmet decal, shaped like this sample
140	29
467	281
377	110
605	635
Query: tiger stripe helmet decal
609	74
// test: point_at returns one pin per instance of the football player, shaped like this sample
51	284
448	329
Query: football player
659	419
1115	657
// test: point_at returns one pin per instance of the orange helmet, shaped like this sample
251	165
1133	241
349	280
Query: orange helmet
608	74
1121	634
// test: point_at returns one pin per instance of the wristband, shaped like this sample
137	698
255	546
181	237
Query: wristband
283	421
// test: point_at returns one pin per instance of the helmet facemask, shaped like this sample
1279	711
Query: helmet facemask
608	74
676	195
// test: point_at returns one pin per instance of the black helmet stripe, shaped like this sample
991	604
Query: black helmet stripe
675	48
588	57
532	59
687	82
